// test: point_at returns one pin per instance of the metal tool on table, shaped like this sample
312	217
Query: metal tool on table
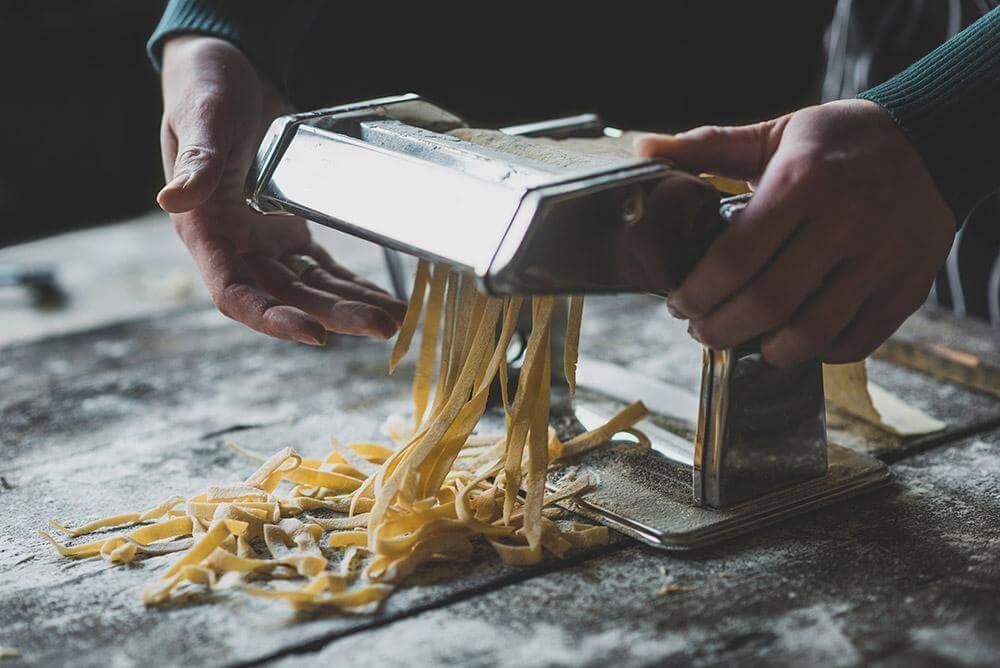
40	281
386	170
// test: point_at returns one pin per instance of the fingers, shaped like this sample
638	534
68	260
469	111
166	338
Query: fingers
778	207
322	280
259	310
745	247
774	295
735	152
337	312
334	277
876	321
821	319
232	287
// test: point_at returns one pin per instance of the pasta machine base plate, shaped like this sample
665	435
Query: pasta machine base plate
648	497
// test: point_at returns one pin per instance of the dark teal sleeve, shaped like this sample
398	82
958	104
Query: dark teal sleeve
948	105
269	32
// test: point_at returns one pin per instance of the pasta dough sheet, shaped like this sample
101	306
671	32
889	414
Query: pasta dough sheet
847	387
570	154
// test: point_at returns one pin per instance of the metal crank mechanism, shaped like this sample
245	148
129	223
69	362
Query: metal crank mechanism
388	171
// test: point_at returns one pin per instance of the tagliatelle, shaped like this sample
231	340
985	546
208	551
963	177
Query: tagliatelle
430	498
412	318
574	319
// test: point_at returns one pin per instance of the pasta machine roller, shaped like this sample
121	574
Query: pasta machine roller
410	176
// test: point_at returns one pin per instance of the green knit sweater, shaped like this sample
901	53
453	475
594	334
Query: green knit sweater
947	103
268	32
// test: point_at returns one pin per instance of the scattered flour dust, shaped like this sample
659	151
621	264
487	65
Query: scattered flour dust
807	636
965	477
812	636
959	644
974	463
479	642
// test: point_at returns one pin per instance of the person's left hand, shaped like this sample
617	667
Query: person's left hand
841	241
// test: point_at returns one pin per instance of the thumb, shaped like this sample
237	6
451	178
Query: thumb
203	145
737	152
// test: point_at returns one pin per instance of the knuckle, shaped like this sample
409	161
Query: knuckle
714	342
705	336
777	356
222	304
716	132
798	341
194	155
693	306
800	170
770	304
776	352
708	336
225	300
810	335
705	132
200	106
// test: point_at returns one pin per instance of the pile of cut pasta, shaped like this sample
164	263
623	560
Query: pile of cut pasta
343	531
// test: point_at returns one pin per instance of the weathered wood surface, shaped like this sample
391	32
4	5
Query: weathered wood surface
906	577
115	419
931	325
964	351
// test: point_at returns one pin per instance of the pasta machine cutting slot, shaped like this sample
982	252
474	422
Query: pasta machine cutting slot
548	217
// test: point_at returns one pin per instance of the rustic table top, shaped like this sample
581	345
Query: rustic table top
114	416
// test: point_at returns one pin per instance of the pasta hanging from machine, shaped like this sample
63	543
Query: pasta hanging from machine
428	499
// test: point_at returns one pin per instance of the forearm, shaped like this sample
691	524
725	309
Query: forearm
948	105
267	32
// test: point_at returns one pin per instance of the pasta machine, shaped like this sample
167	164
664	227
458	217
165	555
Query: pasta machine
410	176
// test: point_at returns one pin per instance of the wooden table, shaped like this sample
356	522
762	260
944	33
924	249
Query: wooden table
111	418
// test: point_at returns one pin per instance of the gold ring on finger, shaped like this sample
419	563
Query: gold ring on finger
300	264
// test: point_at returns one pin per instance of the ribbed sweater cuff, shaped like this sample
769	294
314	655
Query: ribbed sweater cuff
948	105
268	32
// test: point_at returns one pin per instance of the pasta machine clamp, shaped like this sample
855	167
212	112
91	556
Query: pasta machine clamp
412	177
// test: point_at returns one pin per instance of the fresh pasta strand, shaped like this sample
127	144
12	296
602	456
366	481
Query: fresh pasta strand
412	317
571	351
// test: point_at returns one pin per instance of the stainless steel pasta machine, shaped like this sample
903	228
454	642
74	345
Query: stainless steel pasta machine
407	175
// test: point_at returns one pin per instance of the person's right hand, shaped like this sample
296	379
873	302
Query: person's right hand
266	273
842	240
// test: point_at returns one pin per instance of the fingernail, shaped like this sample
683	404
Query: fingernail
674	311
639	139
645	144
177	182
388	328
313	339
651	142
694	334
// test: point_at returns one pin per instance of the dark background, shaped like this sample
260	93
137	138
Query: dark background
81	109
